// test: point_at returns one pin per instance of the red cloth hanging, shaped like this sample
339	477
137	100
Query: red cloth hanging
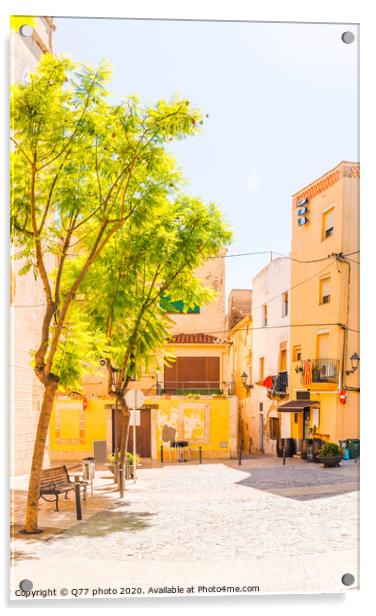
268	382
307	372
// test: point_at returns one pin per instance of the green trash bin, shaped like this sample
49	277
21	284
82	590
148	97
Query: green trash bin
353	444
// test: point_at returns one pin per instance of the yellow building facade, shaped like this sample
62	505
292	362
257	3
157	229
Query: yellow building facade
206	422
240	363
325	305
190	399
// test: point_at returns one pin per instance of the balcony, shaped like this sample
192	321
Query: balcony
280	385
200	388
322	370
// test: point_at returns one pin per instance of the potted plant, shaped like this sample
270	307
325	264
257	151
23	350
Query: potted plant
330	455
317	443
111	462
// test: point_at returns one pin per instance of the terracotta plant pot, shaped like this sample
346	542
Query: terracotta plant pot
330	461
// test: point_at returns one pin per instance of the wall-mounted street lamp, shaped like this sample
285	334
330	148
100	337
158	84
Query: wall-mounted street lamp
244	380
355	359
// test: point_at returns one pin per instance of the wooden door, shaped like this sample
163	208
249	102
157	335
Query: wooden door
143	433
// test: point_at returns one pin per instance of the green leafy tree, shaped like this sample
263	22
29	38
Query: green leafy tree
83	170
157	258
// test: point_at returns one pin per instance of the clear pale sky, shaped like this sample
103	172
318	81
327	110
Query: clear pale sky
282	105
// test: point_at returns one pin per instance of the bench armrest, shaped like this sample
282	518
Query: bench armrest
50	486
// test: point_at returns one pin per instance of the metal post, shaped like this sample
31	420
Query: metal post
200	454
121	480
78	497
134	445
92	472
162	454
240	455
116	456
116	465
284	452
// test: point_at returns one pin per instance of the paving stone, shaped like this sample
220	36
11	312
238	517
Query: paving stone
211	516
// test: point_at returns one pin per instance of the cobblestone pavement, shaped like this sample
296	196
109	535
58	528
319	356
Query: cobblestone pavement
287	526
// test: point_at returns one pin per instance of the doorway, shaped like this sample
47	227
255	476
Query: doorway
143	433
306	423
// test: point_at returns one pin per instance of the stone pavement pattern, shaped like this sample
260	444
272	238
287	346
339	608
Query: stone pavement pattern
212	524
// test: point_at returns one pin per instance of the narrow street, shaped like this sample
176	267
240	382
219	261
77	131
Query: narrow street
292	528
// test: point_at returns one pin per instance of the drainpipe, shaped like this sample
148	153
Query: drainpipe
345	326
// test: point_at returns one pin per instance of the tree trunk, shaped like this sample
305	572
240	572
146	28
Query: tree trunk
124	430
31	521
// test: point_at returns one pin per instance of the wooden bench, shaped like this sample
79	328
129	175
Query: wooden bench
57	481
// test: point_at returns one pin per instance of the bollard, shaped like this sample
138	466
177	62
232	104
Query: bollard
200	454
240	455
284	452
127	469
77	490
162	454
121	480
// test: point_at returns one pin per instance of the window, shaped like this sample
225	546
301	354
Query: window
322	346
264	315
274	429
315	417
296	418
261	368
283	360
297	353
285	304
328	223
190	374
325	290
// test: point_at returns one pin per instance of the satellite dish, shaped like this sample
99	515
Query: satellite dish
302	202
302	220
302	210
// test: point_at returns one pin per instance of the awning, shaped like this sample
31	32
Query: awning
294	406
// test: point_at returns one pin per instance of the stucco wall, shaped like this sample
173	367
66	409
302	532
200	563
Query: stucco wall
268	287
211	318
204	422
339	188
27	300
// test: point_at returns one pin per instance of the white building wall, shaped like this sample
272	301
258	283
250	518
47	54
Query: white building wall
268	288
27	298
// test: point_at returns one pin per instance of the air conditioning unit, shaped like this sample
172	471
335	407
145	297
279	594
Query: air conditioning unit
328	370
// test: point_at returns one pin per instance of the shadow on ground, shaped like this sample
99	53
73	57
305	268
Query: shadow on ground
108	522
303	482
19	555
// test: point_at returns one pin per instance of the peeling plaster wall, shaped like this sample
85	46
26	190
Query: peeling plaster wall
211	318
239	305
207	422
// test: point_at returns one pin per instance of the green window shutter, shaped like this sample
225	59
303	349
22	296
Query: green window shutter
176	307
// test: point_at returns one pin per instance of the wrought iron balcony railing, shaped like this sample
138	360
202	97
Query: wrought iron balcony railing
279	384
204	388
322	370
